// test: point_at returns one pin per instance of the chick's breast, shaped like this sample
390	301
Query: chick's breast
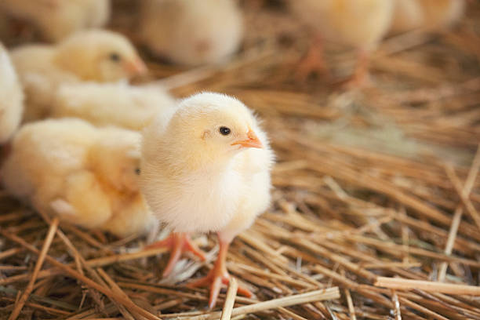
254	167
192	32
189	202
360	24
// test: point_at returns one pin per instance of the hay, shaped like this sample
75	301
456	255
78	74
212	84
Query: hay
376	192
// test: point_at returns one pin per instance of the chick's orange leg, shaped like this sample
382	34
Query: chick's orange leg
360	75
178	244
218	276
313	61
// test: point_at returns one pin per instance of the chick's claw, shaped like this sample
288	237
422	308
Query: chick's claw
215	278
178	244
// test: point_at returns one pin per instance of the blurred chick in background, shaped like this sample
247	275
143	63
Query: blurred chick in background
85	175
58	19
93	55
11	97
359	24
116	104
429	15
191	32
207	169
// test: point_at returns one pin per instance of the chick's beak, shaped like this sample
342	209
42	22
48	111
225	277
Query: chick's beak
251	142
136	67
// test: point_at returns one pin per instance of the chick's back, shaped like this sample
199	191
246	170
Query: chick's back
116	104
40	77
43	153
86	175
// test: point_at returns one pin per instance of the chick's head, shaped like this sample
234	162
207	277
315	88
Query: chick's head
213	126
99	55
116	158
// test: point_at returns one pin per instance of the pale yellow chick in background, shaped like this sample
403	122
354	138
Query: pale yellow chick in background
191	32
85	175
207	169
11	97
429	15
358	24
118	104
93	55
58	19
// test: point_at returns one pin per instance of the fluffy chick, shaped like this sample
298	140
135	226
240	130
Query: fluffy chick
57	19
359	24
11	97
207	169
93	55
116	104
426	14
191	32
85	175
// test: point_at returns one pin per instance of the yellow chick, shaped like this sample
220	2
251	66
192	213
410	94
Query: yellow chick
58	19
426	14
85	175
93	55
11	97
191	32
359	24
207	169
118	104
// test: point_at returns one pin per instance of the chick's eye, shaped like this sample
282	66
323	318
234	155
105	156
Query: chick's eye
137	171
115	57
225	131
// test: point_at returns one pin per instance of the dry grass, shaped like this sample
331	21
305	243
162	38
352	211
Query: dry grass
372	186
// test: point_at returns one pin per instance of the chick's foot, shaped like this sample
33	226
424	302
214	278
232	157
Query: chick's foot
178	244
313	62
217	276
361	76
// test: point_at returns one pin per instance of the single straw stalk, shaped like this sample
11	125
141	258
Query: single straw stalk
318	295
429	286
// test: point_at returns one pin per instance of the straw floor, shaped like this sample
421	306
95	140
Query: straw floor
375	192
